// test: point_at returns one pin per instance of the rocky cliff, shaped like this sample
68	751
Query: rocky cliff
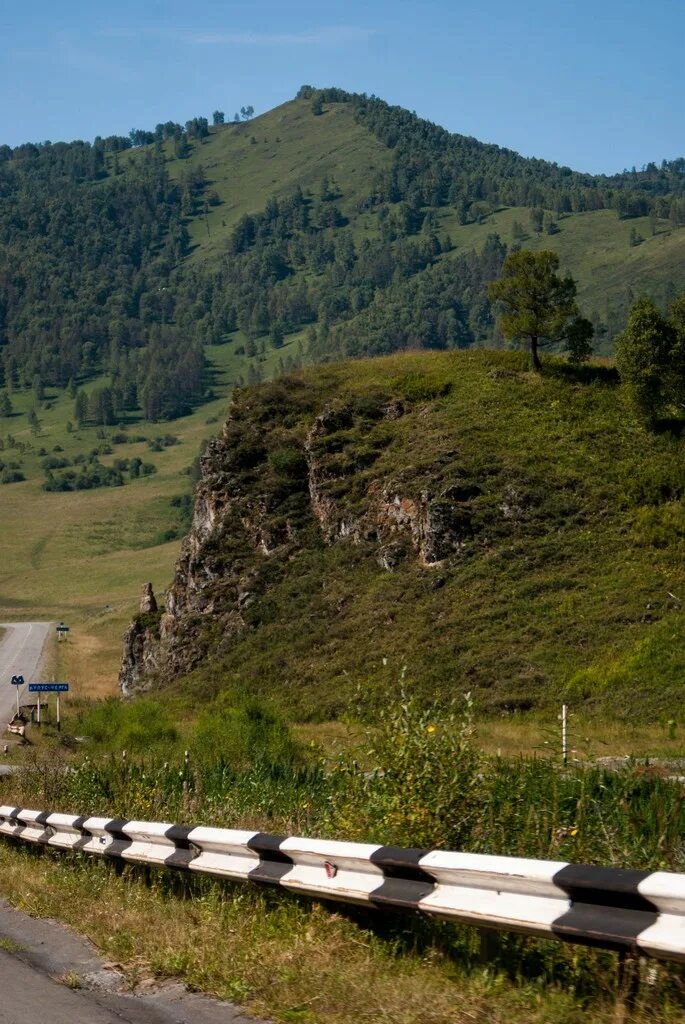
494	530
280	477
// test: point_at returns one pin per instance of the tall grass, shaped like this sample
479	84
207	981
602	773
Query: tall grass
417	779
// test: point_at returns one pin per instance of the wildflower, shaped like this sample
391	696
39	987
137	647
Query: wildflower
430	728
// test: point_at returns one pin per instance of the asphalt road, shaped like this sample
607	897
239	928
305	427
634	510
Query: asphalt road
51	975
21	648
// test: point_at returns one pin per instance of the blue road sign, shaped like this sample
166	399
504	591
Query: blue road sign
48	687
17	680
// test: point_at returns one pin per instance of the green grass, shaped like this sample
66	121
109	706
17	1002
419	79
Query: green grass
417	779
594	248
291	148
291	960
568	586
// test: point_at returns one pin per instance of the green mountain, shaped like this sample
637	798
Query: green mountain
493	531
322	220
142	278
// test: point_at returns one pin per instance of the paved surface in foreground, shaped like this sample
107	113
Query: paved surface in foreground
40	961
45	958
21	649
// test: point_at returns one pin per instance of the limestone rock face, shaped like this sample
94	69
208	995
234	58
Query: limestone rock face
257	504
148	602
139	658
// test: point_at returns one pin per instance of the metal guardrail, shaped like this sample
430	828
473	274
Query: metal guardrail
631	911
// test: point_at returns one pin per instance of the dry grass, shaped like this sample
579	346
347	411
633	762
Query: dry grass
90	656
280	957
587	738
528	735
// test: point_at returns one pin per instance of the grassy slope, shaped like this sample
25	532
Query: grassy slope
84	556
577	595
594	247
75	554
292	147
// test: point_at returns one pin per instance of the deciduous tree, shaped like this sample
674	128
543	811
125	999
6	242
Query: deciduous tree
644	354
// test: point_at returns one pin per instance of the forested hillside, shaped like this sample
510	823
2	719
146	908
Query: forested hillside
335	225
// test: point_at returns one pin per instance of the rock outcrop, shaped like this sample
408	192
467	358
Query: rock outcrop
140	646
148	602
267	492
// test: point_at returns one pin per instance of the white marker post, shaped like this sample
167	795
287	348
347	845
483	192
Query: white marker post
564	733
59	727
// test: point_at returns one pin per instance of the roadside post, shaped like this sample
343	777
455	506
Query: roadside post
564	733
57	688
61	631
17	681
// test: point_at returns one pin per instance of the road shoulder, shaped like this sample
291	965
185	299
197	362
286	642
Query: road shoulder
56	952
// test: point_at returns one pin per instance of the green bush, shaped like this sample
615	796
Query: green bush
289	462
243	734
11	476
139	727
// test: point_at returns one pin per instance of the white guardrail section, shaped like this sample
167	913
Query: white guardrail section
633	911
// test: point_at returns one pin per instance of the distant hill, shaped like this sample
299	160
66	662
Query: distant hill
143	282
493	531
124	260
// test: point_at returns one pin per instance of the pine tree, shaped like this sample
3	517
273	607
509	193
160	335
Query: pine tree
538	304
81	408
276	335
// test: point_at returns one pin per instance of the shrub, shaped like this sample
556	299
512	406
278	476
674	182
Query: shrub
289	462
138	727
243	734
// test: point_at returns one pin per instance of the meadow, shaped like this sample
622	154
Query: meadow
418	778
84	556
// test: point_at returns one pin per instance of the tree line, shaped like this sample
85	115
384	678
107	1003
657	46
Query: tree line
94	278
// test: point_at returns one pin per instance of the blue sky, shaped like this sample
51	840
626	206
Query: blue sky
596	85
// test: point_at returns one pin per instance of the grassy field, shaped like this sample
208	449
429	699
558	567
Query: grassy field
271	155
83	556
594	248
